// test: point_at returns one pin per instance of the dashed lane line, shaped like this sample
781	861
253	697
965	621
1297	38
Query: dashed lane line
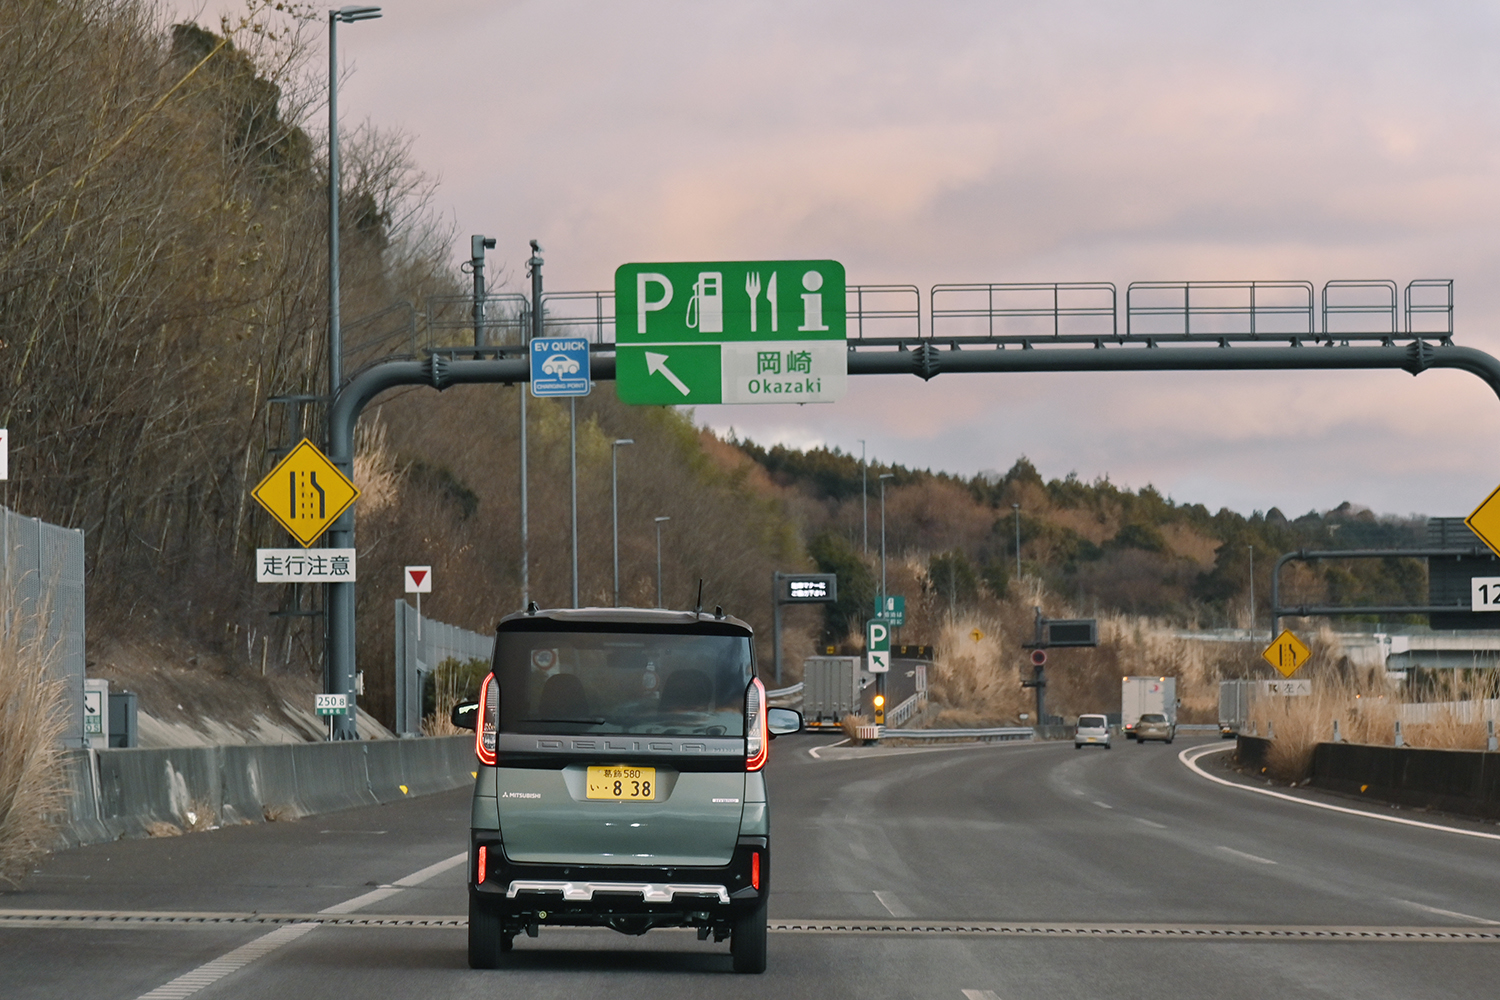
892	905
1450	913
1247	857
209	973
1192	755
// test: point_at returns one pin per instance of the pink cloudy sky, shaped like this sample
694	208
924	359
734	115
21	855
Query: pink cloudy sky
1046	141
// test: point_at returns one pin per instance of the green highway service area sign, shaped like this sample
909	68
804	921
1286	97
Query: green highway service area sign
731	332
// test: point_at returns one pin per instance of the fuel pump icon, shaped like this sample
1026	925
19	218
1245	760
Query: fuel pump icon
705	312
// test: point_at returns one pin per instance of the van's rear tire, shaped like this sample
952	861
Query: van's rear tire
747	941
487	937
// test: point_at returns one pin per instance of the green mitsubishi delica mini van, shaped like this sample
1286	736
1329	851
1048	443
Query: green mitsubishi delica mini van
620	779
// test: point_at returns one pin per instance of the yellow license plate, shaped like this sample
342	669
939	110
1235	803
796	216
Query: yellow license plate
633	783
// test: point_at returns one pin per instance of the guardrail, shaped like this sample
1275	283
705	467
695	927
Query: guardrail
1197	727
997	733
786	692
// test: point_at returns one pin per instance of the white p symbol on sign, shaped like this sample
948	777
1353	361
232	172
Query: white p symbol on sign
879	634
643	304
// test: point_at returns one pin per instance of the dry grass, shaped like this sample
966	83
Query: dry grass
1366	709
850	725
32	782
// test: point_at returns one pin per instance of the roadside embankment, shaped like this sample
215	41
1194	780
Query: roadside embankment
163	792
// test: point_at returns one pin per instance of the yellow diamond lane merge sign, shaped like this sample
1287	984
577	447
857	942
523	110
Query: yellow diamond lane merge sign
1485	521
305	492
1286	653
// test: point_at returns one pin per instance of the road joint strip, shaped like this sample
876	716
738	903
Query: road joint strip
303	922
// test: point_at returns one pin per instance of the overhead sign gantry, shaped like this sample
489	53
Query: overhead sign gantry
996	327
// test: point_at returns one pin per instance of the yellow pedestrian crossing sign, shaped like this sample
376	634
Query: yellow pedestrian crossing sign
1286	653
305	492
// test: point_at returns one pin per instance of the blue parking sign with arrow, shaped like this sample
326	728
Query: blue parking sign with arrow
560	366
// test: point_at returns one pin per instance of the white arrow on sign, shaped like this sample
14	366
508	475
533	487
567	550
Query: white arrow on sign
657	363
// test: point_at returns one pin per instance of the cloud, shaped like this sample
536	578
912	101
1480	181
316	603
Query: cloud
1036	141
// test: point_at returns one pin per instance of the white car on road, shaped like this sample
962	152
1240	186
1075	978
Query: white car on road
1093	730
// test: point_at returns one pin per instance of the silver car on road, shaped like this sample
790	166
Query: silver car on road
1093	730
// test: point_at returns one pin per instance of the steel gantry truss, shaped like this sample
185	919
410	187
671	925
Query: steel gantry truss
984	327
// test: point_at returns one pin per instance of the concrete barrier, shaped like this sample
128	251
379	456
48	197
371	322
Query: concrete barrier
1458	781
134	792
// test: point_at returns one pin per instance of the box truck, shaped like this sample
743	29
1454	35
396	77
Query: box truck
1235	699
831	688
1140	695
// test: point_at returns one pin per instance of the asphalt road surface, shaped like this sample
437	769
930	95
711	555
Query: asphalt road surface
1013	871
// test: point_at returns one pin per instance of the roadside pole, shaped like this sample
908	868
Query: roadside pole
534	269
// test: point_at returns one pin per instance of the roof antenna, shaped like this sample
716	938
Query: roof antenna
531	608
699	609
718	612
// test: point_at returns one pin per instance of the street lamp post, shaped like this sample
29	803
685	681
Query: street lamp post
614	489
659	520
883	477
880	678
338	675
1252	592
348	15
864	493
1017	508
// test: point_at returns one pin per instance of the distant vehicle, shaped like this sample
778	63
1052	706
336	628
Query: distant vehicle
619	780
1235	698
831	688
1093	730
1155	726
560	364
1139	695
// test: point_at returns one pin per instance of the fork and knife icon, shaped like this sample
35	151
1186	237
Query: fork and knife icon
752	289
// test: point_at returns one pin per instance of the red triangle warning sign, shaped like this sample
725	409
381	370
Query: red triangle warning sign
417	575
419	579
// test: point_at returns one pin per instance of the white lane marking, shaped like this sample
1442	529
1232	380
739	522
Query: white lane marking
1451	913
211	972
1153	825
1248	857
814	751
893	905
208	973
431	871
1190	757
981	995
1103	805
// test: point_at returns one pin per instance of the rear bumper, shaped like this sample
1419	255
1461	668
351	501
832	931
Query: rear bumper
643	896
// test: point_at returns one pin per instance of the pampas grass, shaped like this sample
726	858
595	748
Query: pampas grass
32	783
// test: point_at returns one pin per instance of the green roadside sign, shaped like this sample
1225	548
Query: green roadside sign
730	332
892	610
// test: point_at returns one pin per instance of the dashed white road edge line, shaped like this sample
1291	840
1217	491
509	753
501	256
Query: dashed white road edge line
209	973
1248	857
814	751
1190	757
1451	913
981	995
892	905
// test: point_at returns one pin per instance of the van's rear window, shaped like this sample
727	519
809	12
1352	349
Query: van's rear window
1091	722
622	682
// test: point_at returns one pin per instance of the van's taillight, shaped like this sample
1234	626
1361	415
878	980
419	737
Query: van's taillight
757	739
754	869
484	864
489	721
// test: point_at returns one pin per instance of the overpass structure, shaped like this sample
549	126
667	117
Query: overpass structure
964	328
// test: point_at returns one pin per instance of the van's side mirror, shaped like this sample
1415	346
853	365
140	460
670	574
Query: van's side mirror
465	714
781	721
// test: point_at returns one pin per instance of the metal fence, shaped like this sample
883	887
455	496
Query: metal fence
42	569
422	645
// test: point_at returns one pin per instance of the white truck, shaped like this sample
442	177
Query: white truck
1235	699
1141	695
831	690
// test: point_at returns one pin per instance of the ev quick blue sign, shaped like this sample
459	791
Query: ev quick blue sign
560	366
